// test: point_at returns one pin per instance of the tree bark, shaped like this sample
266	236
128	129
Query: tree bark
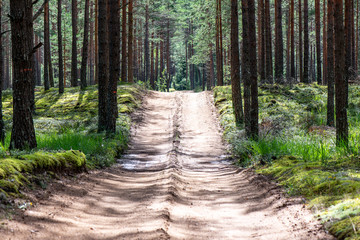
103	75
74	73
245	67
292	57
340	84
130	44
85	50
318	45
300	53
2	127
235	65
254	111
146	44
114	64
324	44
306	42
124	43
330	64
23	132
268	45
279	45
61	72
46	46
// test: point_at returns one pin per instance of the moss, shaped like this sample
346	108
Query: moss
346	229
14	170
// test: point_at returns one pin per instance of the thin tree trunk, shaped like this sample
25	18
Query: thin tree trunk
85	50
318	46
300	53
324	45
235	65
268	41
330	64
61	72
292	29
96	41
279	45
91	62
130	44
124	43
2	127
74	73
152	77
254	111
46	46
146	44
306	42
245	67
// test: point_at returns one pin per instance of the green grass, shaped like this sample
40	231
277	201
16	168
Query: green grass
297	149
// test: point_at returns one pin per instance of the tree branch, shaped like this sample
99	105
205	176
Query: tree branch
39	12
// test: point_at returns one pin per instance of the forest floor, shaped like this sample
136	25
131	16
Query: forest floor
176	181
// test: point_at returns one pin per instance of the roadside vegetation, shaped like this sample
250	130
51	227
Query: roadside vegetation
67	137
299	150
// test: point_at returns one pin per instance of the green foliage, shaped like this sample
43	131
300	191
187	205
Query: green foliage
298	150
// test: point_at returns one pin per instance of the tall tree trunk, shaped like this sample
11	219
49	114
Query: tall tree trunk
96	41
254	111
235	65
219	65
74	73
263	42
340	84
156	64
306	42
114	64
292	29
91	62
103	76
61	73
152	76
23	132
2	127
348	40
245	67
324	45
318	46
300	53
146	44
85	48
330	63
130	44
269	63
279	44
168	59
221	46
46	46
124	42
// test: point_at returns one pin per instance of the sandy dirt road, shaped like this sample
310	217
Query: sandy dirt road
175	182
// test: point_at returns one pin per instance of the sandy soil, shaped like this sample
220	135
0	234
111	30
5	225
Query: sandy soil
175	182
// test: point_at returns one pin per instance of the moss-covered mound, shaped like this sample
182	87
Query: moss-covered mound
298	150
14	171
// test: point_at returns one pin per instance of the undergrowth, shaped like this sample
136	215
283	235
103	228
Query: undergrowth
298	149
66	132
